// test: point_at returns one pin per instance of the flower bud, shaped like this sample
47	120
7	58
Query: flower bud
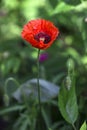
68	82
70	65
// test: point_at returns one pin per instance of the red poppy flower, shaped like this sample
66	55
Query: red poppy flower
40	33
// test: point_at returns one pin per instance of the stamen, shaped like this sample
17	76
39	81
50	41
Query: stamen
42	39
41	36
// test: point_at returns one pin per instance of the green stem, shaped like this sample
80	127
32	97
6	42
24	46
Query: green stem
39	100
74	127
10	79
6	98
38	86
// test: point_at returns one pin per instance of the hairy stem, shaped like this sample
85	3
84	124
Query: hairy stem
38	86
38	67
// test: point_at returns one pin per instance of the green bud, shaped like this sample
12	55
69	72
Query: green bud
68	82
70	65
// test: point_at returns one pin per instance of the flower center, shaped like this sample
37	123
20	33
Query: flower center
41	36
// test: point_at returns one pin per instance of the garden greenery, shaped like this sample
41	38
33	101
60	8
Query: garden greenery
63	74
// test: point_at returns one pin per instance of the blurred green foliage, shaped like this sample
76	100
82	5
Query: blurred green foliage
83	127
18	58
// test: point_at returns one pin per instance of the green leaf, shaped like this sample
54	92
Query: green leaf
62	7
46	117
10	109
24	124
83	127
67	103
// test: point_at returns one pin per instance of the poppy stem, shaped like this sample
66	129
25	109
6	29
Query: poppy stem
38	85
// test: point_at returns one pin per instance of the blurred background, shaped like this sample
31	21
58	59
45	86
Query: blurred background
18	58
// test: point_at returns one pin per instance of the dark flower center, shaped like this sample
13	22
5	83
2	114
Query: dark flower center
41	36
